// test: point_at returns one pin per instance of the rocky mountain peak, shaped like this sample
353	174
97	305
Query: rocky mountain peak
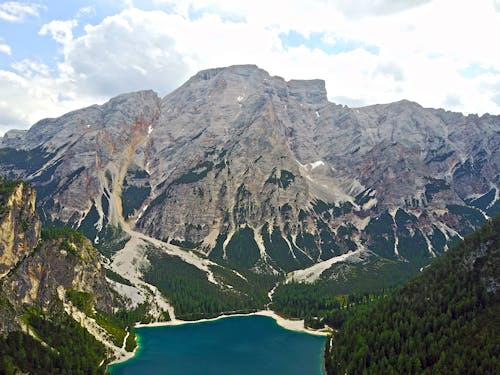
235	147
310	91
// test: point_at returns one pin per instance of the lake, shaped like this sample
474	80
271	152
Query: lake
235	345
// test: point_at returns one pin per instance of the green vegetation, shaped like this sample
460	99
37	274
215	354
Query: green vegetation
470	218
133	197
326	210
445	321
111	240
347	282
186	245
217	252
195	174
381	233
412	244
486	203
329	246
6	189
21	353
87	226
277	248
283	181
72	350
190	292
110	274
56	232
438	240
307	242
67	238
116	324
318	301
82	300
255	286
29	160
364	197
242	251
434	186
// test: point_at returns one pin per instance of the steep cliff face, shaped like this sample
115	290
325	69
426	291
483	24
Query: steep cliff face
235	153
58	265
53	278
19	224
40	266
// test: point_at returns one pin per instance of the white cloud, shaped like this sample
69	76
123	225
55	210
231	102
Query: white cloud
422	49
130	51
13	11
85	10
389	69
365	8
28	68
28	96
5	48
61	31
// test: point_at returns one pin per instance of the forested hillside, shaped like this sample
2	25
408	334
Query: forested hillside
446	321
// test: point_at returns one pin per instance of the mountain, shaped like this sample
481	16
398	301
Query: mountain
446	321
261	176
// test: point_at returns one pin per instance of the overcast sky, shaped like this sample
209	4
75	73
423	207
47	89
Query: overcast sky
56	56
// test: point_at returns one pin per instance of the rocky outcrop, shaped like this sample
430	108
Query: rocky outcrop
58	265
19	224
48	273
235	148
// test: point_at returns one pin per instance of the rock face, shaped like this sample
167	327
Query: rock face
54	269
19	225
237	154
38	270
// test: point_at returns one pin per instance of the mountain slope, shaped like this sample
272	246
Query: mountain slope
444	321
261	174
59	313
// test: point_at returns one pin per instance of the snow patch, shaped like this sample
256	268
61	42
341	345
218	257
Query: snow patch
317	164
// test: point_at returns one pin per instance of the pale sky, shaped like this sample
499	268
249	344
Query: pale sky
57	56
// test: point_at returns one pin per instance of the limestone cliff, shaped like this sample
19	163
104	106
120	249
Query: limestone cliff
19	224
64	263
52	275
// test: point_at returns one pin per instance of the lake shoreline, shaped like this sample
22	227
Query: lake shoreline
296	325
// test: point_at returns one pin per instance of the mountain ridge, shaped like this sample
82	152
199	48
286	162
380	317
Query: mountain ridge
235	148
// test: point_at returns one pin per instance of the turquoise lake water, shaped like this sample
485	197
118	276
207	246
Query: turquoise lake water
237	345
